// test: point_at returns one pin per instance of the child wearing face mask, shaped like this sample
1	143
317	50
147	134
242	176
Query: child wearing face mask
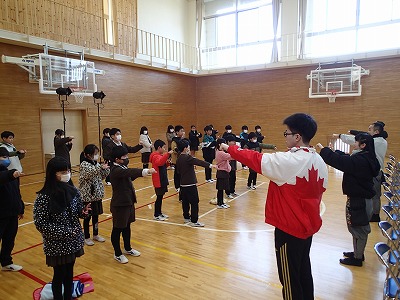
194	136
145	141
123	201
11	210
62	145
254	145
116	140
244	138
56	214
260	137
92	190
188	188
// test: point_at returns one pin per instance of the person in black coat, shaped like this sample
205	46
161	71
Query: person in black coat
11	210
194	136
359	170
62	145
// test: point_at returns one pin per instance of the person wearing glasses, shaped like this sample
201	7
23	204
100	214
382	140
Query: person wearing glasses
298	177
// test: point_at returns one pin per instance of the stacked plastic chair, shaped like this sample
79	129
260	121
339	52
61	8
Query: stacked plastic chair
389	252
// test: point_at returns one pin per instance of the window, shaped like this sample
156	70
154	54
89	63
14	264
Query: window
109	32
337	27
238	32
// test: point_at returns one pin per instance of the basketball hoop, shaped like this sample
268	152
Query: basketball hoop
331	96
78	93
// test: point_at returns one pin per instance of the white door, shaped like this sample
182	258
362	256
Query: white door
52	120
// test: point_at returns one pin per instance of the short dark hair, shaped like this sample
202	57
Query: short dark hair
114	130
90	149
228	127
178	128
207	128
106	130
219	142
303	124
143	129
59	132
252	135
379	125
182	144
257	127
158	143
244	127
118	152
230	138
7	134
170	127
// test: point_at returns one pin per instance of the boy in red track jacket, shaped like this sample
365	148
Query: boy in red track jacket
158	159
298	179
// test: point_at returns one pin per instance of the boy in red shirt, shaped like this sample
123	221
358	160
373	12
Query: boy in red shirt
158	159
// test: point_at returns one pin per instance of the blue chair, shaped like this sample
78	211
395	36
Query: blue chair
391	288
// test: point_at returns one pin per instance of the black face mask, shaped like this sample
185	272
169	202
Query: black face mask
125	161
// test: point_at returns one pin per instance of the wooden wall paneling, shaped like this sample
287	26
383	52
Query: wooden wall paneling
267	97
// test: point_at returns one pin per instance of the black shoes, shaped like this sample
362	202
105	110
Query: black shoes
375	218
351	255
351	261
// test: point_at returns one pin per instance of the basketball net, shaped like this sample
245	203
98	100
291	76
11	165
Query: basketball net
331	96
78	93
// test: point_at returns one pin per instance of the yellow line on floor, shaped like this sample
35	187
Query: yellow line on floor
200	262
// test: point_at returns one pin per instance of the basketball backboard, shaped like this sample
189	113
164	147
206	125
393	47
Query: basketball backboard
340	82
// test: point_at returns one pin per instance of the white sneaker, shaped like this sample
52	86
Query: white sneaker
178	189
245	168
235	194
226	205
132	252
253	187
249	187
99	238
165	216
186	221
12	268
197	224
108	183
121	259
213	201
159	218
230	196
220	206
89	242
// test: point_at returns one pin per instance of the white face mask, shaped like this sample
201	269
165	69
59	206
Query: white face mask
258	130
245	131
229	131
254	140
65	177
145	132
96	157
63	136
171	130
119	137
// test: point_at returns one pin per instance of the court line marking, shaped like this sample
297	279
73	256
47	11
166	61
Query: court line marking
201	262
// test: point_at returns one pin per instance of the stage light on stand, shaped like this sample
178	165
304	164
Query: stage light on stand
98	101
61	91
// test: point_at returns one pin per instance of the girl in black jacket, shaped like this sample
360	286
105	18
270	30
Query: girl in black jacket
359	170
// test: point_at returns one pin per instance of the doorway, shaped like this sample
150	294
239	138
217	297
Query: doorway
52	120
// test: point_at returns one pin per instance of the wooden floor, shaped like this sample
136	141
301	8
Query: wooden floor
232	257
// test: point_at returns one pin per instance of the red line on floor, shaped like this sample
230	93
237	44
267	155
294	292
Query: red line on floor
33	277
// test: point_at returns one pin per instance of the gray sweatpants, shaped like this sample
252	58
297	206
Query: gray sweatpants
360	233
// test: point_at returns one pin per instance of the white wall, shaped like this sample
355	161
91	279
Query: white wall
174	19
